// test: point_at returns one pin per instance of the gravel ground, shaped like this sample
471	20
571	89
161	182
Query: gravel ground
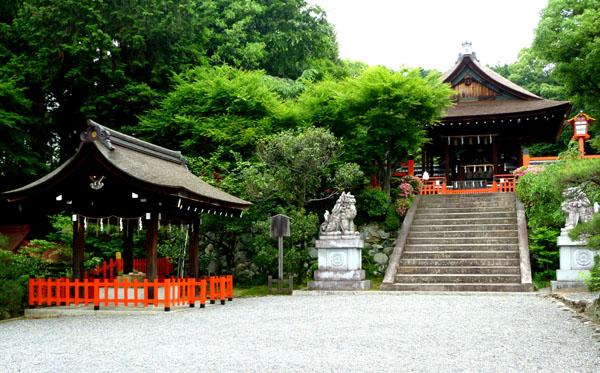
325	333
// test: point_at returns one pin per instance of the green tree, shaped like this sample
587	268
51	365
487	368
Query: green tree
281	37
568	37
301	162
381	114
211	108
102	59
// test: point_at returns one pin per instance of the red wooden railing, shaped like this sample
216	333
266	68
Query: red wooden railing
108	270
504	184
175	292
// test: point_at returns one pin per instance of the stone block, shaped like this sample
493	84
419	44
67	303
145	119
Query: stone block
340	285
353	275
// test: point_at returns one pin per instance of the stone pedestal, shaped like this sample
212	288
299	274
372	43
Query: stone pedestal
576	260
340	263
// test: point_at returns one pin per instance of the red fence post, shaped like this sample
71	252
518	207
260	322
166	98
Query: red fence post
222	289
203	293
230	287
213	289
167	293
96	294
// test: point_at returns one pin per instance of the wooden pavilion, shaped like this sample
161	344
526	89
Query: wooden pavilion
482	135
120	181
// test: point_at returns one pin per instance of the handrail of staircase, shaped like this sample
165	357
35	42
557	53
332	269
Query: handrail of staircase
525	262
392	267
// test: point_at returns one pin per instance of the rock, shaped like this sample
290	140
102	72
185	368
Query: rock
380	258
372	252
388	250
313	253
383	234
377	247
209	248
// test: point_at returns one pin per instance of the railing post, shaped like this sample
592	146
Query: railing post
222	289
230	286
96	294
203	285
167	293
213	289
31	291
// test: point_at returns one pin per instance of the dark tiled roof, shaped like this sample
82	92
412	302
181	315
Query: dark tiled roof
502	108
145	162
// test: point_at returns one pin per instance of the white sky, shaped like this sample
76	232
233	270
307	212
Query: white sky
429	33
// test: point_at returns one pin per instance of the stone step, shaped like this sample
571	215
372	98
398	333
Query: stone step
477	196
460	254
465	233
461	247
480	221
458	210
454	279
461	240
472	204
445	228
457	287
458	262
465	215
460	270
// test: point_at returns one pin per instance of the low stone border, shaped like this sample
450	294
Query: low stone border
583	306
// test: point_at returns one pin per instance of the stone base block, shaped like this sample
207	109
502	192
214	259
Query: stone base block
567	286
573	275
344	275
339	285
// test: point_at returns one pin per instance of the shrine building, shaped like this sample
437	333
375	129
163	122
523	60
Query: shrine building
482	135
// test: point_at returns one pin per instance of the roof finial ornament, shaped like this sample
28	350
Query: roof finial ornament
96	131
467	47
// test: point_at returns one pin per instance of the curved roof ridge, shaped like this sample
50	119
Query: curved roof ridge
493	76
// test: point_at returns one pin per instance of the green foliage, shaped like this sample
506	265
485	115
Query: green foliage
589	232
593	282
541	193
544	253
3	242
18	160
381	114
281	37
300	161
567	37
372	205
13	289
212	108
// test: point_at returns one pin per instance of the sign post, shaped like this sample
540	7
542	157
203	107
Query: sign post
280	227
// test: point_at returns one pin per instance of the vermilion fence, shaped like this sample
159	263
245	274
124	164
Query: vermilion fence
97	292
109	270
170	292
503	185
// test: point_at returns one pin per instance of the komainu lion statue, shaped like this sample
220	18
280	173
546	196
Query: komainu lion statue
341	219
577	207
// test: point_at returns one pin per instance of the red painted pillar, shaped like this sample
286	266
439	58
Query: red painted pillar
411	165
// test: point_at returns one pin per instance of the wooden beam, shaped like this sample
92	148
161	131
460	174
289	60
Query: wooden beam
495	156
194	241
78	249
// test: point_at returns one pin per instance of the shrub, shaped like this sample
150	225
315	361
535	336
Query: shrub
372	206
544	253
593	282
13	289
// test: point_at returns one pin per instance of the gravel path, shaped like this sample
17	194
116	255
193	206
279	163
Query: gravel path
366	332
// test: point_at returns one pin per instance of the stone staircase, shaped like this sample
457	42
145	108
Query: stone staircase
461	242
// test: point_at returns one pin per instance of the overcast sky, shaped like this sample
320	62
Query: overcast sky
429	33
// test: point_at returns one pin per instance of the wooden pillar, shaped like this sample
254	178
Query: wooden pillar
128	246
78	248
447	161
411	165
194	241
495	155
151	247
520	153
423	160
